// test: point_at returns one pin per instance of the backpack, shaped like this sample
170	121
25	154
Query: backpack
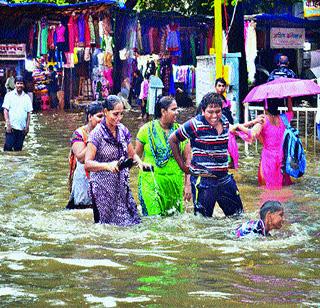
294	159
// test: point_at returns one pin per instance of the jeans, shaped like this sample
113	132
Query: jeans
14	140
207	191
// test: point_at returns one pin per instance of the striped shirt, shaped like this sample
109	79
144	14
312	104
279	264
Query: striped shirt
209	149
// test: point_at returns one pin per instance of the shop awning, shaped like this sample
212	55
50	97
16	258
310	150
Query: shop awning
35	8
282	20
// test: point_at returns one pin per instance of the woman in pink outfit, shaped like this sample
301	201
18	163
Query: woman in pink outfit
270	134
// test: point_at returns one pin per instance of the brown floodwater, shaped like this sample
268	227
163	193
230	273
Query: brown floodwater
53	257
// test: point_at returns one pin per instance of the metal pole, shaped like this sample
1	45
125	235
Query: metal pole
246	119
218	37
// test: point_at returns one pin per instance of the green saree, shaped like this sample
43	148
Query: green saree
161	191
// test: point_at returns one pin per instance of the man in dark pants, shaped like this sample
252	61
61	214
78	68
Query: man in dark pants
17	107
208	133
53	87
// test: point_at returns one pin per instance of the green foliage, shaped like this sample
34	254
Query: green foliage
189	7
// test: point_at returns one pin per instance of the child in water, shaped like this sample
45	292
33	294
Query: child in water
271	217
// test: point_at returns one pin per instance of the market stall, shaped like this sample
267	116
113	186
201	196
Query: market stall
76	40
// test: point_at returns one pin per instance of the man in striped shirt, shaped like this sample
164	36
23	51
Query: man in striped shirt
210	181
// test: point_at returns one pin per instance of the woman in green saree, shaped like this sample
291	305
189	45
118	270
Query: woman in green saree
163	190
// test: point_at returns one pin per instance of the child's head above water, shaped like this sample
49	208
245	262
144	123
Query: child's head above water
271	213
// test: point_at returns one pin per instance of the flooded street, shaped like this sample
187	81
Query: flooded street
53	257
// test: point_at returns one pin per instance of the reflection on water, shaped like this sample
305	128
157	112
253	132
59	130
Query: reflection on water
51	257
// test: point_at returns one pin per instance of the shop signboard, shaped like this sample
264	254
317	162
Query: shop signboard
12	51
287	38
311	8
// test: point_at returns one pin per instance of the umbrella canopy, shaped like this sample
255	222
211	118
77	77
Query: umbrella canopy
282	88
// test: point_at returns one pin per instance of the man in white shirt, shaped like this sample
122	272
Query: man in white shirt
17	107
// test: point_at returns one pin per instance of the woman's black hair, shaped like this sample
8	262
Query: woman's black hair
111	101
210	98
138	72
270	206
93	109
273	105
163	102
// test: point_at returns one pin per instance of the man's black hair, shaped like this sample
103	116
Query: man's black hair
221	80
210	98
270	206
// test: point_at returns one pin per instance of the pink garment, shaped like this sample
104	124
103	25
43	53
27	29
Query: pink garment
51	38
233	150
144	89
227	104
45	102
271	138
71	30
60	30
233	146
108	76
87	37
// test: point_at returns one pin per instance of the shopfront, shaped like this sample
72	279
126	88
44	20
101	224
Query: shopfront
57	48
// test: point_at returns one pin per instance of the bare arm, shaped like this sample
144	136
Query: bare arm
79	150
174	143
139	148
289	103
187	185
137	155
92	165
26	130
6	117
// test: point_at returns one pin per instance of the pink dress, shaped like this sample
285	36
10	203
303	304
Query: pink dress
271	137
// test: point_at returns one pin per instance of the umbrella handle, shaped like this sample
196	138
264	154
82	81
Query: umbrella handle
266	104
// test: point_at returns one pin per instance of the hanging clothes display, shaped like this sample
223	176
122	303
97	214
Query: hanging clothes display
184	74
42	37
250	39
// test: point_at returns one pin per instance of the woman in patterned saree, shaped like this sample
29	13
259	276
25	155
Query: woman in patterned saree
108	143
162	192
78	177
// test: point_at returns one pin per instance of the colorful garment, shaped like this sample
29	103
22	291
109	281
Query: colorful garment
282	71
173	41
160	192
73	32
209	150
79	197
251	227
60	31
81	29
113	202
144	90
271	137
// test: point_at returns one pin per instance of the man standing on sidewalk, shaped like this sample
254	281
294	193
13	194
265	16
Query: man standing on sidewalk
283	70
17	107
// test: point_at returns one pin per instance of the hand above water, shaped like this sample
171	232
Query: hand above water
8	128
112	166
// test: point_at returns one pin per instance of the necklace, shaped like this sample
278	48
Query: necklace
160	151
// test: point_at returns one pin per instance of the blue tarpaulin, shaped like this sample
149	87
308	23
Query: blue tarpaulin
288	19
